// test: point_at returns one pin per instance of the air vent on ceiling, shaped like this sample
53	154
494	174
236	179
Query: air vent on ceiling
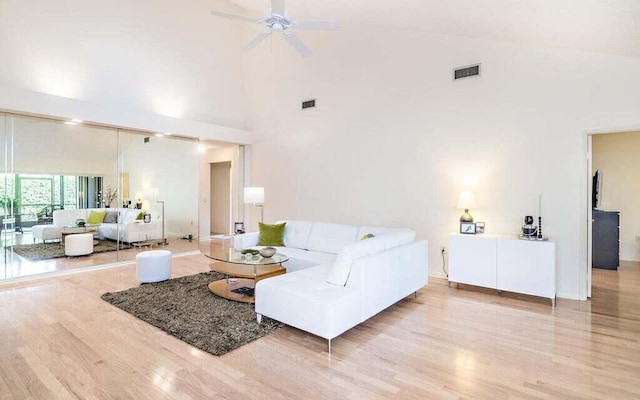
308	104
466	72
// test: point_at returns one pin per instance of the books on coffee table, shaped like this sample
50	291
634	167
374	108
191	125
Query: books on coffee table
247	291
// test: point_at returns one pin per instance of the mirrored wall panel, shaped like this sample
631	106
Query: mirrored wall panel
74	195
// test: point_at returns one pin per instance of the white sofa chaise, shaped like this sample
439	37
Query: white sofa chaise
128	229
335	280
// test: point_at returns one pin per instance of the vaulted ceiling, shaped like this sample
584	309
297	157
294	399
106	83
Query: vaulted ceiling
175	59
605	26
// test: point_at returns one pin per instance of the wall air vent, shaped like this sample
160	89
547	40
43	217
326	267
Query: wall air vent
308	104
466	72
146	140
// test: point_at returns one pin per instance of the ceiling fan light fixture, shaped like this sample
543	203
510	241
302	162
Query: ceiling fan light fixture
278	20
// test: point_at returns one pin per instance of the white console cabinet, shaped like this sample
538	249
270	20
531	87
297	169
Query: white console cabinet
504	263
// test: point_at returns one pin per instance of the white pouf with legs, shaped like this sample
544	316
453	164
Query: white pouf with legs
153	266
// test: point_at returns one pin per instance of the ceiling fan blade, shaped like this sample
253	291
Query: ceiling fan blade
257	40
297	44
234	16
323	25
277	7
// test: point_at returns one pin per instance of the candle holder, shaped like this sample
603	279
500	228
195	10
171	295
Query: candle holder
539	227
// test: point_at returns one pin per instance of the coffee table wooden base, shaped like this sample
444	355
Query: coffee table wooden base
241	276
223	289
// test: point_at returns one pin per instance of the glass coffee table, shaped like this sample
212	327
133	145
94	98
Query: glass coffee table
242	272
75	230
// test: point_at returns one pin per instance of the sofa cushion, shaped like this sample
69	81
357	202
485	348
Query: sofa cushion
111	217
96	217
271	234
306	301
301	259
296	233
330	238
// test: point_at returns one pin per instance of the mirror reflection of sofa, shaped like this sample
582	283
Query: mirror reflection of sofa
124	224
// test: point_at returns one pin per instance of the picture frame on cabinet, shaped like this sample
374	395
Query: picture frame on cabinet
468	228
238	228
479	227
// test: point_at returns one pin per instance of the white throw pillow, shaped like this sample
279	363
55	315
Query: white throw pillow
341	269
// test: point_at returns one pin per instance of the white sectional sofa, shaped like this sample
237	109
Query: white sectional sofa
127	228
336	280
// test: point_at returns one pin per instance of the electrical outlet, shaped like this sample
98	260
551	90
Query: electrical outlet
443	249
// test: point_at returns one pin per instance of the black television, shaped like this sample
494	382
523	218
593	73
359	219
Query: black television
596	190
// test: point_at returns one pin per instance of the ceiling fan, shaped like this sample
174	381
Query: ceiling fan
278	20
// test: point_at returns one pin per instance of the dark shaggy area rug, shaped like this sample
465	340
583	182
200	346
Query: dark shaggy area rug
46	251
185	308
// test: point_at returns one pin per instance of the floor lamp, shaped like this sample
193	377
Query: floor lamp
164	241
255	196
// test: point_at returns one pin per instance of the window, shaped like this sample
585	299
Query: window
29	194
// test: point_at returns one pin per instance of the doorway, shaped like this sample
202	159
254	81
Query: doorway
614	244
220	213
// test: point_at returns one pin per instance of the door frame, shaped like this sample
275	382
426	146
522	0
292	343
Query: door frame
585	278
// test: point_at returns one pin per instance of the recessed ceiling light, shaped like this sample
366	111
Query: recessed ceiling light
159	135
77	121
70	123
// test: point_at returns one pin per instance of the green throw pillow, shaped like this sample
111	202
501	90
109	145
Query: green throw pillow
96	217
140	216
271	234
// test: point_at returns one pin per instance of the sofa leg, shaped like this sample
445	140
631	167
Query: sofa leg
415	295
329	346
259	318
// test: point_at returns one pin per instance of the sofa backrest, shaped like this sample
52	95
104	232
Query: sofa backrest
379	231
68	217
296	233
339	273
330	238
125	215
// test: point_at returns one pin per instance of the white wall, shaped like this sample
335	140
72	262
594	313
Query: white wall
145	65
393	139
616	156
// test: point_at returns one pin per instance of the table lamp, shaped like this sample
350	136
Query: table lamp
466	201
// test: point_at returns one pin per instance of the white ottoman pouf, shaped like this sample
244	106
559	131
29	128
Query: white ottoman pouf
153	266
46	232
78	244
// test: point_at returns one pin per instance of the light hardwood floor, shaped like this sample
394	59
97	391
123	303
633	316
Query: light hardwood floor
58	340
13	266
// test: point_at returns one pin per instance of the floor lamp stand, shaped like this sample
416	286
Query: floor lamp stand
261	212
164	241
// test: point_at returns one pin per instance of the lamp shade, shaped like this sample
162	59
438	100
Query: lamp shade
467	200
254	195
